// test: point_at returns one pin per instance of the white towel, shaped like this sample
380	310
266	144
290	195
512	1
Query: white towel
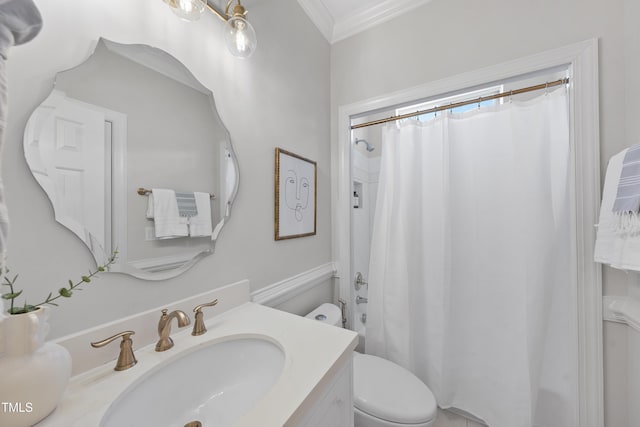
150	202
163	208
619	250
200	224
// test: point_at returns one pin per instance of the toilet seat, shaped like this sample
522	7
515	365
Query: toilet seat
389	392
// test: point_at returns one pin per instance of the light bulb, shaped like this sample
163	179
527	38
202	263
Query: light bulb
240	37
189	10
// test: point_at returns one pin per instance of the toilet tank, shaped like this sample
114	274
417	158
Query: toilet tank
327	313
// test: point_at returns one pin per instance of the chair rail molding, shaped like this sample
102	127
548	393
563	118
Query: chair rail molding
279	292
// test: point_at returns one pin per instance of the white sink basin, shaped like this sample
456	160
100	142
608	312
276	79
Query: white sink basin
215	384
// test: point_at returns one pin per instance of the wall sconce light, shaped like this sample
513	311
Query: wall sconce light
239	35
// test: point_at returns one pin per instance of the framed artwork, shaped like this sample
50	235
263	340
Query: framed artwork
295	201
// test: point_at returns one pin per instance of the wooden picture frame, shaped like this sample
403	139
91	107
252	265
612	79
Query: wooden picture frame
296	186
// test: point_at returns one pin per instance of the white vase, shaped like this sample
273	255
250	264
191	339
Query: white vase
33	374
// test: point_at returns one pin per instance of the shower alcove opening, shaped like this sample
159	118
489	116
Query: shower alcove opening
356	172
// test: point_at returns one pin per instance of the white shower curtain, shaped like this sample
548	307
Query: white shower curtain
469	277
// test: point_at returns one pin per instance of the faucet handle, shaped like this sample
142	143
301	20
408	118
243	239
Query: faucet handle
360	282
198	326
126	358
206	304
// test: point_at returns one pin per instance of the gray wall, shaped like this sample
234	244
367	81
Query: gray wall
448	37
278	97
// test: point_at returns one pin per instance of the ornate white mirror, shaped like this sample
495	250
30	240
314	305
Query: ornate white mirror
133	117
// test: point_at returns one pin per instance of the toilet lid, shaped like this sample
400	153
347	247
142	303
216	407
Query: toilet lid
390	392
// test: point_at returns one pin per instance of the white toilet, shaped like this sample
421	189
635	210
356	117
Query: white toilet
384	394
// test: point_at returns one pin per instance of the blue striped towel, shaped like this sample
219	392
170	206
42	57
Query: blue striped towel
626	206
186	204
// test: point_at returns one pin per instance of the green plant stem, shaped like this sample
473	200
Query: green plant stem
72	287
10	283
62	292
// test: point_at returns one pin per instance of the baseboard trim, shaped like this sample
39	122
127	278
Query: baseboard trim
279	292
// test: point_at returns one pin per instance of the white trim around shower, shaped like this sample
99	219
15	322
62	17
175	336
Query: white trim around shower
581	61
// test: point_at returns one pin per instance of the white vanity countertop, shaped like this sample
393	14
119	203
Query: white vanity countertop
313	353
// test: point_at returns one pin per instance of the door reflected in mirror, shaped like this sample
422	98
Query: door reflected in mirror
130	117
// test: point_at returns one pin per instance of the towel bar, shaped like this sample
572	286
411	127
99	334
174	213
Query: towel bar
145	192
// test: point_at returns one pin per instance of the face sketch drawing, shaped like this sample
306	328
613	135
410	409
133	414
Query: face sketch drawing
296	194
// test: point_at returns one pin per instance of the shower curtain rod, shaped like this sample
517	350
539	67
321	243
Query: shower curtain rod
461	103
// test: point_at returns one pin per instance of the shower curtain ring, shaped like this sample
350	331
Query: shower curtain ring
510	96
546	88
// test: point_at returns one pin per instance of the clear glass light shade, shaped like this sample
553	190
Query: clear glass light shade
189	10
240	37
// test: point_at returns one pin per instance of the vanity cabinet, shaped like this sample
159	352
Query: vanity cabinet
334	404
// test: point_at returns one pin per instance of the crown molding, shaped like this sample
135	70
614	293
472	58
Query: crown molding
362	19
369	17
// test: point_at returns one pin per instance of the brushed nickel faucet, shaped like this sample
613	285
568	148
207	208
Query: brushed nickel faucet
164	327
